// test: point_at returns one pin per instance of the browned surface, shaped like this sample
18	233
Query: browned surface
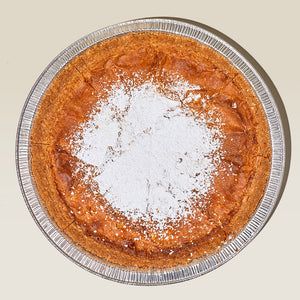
243	172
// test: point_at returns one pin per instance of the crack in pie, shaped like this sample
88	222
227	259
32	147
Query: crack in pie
150	150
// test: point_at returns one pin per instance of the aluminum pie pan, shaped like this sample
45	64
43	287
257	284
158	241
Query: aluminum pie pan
228	49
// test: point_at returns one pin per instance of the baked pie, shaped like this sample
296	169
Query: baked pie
150	150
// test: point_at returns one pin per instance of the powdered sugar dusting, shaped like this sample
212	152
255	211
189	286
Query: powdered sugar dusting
153	156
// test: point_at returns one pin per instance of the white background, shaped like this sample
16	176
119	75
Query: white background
32	33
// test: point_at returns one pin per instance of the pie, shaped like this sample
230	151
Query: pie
150	150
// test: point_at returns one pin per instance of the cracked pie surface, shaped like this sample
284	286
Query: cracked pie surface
150	150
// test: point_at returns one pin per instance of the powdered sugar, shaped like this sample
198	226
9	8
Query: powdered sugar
154	157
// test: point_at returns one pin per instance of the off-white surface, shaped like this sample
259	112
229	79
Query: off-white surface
32	34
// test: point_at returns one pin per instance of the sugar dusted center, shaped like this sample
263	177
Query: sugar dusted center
153	157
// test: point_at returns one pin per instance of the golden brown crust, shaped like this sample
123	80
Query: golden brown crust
248	148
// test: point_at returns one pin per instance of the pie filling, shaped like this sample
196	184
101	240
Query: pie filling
150	150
